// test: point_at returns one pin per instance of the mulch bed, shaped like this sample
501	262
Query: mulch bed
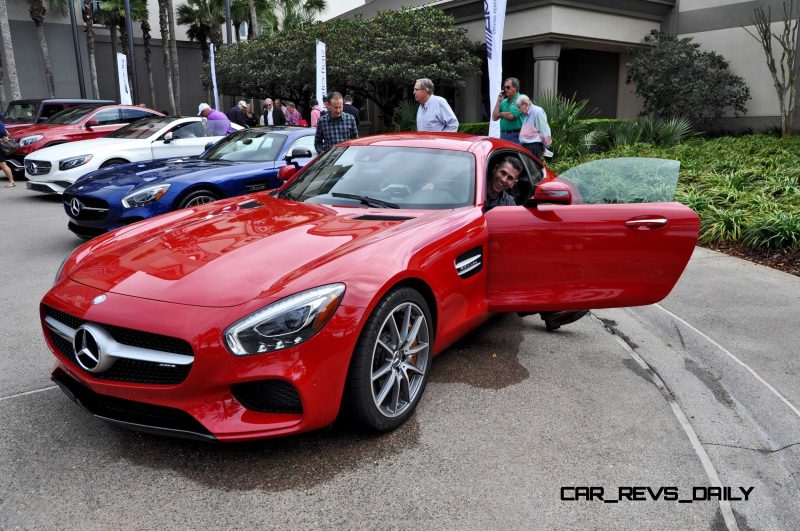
786	261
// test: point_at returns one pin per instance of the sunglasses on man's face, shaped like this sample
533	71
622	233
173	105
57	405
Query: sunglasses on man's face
507	87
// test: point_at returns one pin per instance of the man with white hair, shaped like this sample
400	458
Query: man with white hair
237	113
434	113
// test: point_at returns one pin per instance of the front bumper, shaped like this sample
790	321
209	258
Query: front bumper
48	187
217	397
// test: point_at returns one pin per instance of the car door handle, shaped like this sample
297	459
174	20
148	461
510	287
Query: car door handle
647	223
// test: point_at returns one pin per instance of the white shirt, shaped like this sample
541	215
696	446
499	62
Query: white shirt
436	115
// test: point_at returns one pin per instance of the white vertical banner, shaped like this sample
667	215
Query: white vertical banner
213	74
322	75
125	97
494	13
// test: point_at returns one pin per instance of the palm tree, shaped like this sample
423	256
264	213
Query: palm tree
163	23
204	18
147	60
293	13
10	62
38	12
88	29
173	53
114	17
240	12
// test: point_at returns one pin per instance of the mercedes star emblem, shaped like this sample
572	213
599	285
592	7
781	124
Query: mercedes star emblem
89	346
98	299
75	207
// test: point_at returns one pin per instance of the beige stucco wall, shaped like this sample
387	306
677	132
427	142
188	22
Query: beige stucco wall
586	25
691	5
628	103
747	60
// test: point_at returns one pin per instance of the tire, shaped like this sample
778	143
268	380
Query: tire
198	197
385	383
113	162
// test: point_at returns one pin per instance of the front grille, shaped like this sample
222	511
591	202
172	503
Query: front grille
138	415
37	167
269	396
128	370
86	208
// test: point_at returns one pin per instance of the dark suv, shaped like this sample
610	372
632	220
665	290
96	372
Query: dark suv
25	113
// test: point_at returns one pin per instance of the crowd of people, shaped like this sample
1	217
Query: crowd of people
521	121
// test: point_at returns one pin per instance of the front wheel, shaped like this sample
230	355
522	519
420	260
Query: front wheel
391	361
197	198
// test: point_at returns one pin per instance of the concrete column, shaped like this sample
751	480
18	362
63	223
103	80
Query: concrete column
545	66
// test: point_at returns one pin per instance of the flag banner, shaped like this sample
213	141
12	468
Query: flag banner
322	77
494	13
213	75
125	97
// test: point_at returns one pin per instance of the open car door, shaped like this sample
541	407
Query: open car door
604	234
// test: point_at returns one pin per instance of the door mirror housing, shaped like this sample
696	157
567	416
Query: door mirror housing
299	153
286	173
553	193
208	146
168	138
92	123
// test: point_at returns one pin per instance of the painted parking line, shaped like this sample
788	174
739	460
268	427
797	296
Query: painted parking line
734	358
28	392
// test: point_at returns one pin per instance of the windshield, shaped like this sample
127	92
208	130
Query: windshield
20	111
142	128
625	180
388	177
72	115
247	146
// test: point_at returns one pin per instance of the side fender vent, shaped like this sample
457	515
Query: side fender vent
251	204
469	263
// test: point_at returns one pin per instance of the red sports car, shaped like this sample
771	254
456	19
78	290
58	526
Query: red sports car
267	314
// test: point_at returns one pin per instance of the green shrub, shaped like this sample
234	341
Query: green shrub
722	224
775	230
474	128
405	117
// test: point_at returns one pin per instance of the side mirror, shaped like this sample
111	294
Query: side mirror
299	153
92	123
553	192
209	145
285	173
168	138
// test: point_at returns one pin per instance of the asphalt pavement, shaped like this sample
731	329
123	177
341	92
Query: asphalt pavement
699	391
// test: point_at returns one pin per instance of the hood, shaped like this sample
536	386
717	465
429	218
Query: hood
129	176
81	147
39	129
230	252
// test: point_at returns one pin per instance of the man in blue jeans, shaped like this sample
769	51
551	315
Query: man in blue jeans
505	110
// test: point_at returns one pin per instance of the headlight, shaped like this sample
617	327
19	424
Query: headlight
145	196
285	323
74	162
32	139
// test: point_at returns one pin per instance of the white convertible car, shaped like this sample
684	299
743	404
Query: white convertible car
53	169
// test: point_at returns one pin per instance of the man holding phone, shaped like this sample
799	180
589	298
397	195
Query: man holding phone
506	110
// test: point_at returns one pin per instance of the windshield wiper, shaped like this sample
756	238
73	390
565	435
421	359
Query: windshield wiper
283	194
369	201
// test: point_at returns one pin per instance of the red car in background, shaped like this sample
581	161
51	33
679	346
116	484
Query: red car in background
26	113
76	123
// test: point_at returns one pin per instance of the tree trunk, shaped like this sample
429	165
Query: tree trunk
236	30
164	26
37	12
2	86
88	29
173	55
8	52
148	62
123	41
253	19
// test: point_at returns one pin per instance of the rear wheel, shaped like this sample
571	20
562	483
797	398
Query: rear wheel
391	361
113	162
198	197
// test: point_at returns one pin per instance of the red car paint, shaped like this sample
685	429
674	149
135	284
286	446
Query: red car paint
61	133
191	273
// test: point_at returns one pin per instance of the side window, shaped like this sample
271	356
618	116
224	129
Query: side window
523	189
304	142
131	115
535	170
49	110
107	117
189	130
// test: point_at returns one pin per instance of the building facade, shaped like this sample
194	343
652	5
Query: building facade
582	47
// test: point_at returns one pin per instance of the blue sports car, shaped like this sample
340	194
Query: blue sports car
244	162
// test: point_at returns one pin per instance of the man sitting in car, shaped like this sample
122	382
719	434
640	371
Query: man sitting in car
504	176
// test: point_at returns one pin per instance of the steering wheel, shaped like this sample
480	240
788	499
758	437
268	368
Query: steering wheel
397	190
